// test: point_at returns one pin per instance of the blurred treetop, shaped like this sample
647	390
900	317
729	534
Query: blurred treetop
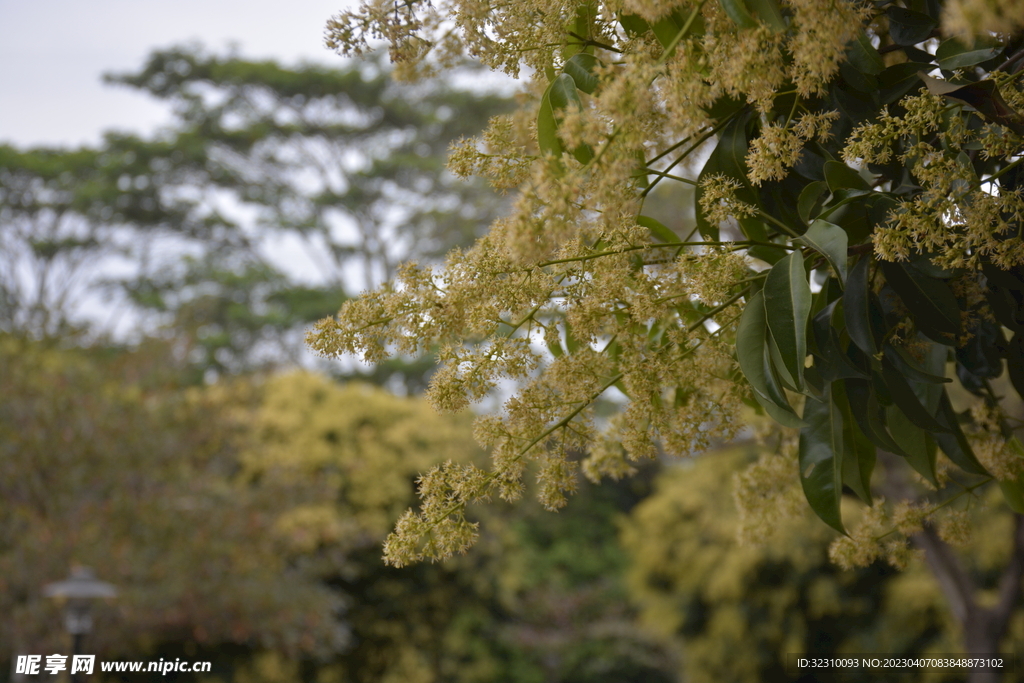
275	193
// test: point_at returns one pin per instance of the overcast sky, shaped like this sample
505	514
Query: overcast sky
54	52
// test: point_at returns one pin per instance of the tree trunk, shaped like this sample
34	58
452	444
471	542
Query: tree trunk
983	627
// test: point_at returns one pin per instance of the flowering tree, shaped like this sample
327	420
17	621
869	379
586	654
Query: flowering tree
857	240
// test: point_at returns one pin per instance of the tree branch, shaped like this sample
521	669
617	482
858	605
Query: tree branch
954	581
1009	582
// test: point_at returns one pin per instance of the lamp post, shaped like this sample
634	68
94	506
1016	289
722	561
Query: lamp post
78	590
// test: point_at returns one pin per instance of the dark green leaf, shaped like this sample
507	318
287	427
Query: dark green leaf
778	368
857	307
869	414
897	80
858	451
821	459
787	300
953	443
900	361
1013	490
667	30
982	354
919	448
953	54
908	27
810	198
750	352
560	95
833	361
1013	493
633	24
984	96
729	159
903	395
839	176
924	264
1015	362
931	302
863	55
831	242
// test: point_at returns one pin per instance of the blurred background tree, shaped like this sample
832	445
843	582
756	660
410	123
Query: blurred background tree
274	194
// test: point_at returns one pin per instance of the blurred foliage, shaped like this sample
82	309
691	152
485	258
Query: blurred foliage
140	484
737	610
242	523
274	193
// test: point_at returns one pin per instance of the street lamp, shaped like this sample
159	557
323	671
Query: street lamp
78	590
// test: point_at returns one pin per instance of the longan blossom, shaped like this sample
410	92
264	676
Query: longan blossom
779	146
719	201
958	217
572	299
499	156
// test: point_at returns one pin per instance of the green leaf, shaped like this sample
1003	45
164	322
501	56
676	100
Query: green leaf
858	451
581	68
900	361
863	55
857	307
897	80
777	366
821	459
786	418
563	93
658	229
869	414
768	11
931	302
560	95
953	54
667	29
903	395
834	362
787	300
547	128
984	96
954	443
923	263
556	349
750	352
810	198
729	159
737	11
919	448
583	25
831	242
908	27
633	24
840	176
